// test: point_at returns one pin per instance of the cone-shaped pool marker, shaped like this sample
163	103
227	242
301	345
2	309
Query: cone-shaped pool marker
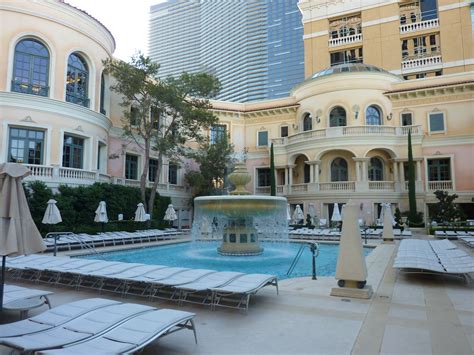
351	270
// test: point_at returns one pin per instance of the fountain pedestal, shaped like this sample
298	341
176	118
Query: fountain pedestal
241	217
240	239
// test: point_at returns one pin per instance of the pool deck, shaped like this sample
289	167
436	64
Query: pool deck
408	314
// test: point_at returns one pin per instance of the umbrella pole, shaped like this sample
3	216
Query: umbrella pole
2	281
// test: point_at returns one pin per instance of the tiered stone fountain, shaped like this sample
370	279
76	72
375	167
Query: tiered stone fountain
240	219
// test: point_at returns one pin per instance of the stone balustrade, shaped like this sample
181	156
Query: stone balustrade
57	175
341	41
423	63
349	131
419	26
382	185
440	185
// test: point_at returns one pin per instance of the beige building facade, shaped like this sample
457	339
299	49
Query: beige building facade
341	134
415	39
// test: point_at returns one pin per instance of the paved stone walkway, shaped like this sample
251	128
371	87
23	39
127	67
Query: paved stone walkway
408	314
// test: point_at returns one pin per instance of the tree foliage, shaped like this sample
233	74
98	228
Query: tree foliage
413	214
167	113
214	160
446	210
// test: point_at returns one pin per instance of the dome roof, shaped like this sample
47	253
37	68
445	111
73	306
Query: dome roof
349	68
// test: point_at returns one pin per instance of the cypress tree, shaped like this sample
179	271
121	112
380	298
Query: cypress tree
413	215
272	172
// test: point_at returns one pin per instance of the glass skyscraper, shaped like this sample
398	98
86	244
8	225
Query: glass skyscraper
254	47
174	36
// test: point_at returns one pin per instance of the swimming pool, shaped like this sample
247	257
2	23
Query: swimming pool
276	258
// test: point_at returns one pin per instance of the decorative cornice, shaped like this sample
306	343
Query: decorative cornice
45	104
433	93
267	112
431	142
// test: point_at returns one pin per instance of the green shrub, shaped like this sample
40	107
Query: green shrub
78	204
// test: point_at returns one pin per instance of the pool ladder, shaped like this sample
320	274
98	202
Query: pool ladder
314	247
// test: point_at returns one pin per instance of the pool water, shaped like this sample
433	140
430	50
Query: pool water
276	258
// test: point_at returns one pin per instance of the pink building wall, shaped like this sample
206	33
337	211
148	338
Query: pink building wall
463	157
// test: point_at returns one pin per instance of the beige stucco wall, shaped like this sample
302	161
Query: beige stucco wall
381	37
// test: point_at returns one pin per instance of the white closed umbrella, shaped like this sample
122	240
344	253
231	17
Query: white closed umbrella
52	214
336	215
170	214
140	214
101	213
298	214
18	232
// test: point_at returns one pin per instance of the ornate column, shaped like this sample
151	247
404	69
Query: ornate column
418	170
418	182
317	163
357	170
396	176
365	169
313	175
290	178
401	171
362	183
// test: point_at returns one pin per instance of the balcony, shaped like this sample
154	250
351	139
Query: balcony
440	185
342	41
349	131
428	63
56	175
419	26
382	185
344	186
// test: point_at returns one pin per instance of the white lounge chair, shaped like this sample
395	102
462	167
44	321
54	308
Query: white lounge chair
203	285
134	334
162	287
89	325
53	317
438	257
236	294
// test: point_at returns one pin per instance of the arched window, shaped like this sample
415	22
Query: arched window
77	80
307	122
31	68
337	117
343	31
339	170
102	95
306	173
373	116
375	169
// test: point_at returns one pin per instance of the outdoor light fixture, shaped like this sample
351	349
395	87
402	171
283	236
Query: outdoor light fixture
356	110
318	114
295	126
389	116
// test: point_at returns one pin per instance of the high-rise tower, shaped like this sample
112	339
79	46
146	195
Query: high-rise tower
254	47
174	36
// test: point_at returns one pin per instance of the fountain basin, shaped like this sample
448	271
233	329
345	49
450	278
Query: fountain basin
240	221
236	206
